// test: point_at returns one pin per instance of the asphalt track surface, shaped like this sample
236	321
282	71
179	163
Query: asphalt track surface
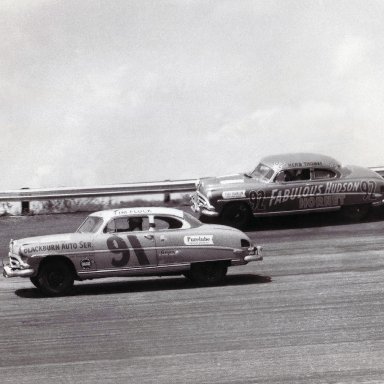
311	312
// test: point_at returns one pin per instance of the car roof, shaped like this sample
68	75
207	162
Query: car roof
300	160
137	211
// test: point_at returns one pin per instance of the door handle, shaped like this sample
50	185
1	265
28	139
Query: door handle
149	237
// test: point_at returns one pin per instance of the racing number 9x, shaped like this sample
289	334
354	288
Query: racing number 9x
117	245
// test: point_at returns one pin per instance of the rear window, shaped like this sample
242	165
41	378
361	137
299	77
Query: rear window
166	222
323	174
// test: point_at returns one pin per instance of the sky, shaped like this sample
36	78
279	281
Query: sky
96	92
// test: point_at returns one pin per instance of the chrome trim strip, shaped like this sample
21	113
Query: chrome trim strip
325	209
141	269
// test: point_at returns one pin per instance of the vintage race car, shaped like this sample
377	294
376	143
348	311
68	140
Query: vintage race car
131	242
289	184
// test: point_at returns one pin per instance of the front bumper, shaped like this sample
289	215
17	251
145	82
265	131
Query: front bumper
200	204
12	272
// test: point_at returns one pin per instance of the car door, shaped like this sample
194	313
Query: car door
289	188
169	240
121	248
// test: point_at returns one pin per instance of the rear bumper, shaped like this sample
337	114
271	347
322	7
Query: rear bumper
9	272
255	254
253	258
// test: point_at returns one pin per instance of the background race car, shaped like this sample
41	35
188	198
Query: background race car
289	184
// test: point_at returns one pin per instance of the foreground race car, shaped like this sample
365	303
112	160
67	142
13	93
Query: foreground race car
131	242
289	184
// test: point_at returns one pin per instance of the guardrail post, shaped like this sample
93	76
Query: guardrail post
167	197
25	205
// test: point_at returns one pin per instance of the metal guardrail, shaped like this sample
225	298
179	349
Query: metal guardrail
164	187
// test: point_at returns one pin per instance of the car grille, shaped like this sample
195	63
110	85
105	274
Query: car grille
201	200
14	261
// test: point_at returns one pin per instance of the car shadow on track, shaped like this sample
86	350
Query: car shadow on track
312	220
156	284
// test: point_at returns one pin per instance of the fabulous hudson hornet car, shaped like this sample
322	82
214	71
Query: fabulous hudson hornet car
289	184
131	242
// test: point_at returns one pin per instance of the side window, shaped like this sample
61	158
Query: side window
302	174
165	222
127	224
323	174
290	175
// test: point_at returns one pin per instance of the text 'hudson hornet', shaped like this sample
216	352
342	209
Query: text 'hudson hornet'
289	184
131	242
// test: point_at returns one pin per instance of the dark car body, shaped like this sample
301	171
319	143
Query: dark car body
292	183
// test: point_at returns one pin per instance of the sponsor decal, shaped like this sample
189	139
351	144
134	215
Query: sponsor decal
41	248
233	181
280	196
198	240
328	194
168	252
321	201
57	247
86	263
233	194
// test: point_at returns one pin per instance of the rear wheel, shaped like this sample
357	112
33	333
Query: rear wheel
237	215
355	212
209	273
55	278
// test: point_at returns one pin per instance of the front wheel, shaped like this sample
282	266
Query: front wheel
237	215
355	212
209	273
55	278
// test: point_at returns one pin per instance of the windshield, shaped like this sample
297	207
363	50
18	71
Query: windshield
262	172
192	220
90	225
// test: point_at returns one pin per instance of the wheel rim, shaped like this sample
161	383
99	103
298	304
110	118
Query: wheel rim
55	278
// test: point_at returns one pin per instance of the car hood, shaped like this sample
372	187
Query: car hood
229	182
217	227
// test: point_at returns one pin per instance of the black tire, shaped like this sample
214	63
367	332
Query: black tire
209	273
236	215
55	278
355	212
187	275
35	281
207	219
